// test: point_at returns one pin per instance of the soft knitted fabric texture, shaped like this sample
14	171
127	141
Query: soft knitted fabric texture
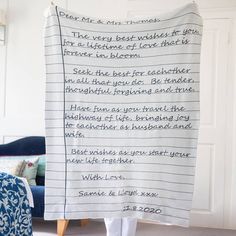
122	115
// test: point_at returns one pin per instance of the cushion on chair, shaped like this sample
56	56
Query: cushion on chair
12	167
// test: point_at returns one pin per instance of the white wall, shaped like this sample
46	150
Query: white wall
22	80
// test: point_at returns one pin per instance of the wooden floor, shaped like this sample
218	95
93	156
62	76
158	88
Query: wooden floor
94	228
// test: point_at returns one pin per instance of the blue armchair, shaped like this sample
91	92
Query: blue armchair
32	145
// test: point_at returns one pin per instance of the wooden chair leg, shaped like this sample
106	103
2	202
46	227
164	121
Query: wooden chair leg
84	222
61	227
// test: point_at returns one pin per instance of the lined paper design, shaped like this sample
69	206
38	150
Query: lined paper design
122	115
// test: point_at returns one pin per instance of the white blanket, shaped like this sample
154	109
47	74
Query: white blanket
122	115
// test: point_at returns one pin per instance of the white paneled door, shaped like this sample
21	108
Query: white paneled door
208	204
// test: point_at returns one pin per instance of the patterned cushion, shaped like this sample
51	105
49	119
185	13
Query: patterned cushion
15	212
13	167
30	170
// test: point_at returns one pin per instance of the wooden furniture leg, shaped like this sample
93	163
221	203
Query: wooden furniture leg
61	227
84	222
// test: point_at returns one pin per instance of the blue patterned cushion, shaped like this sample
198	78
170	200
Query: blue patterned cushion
15	212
